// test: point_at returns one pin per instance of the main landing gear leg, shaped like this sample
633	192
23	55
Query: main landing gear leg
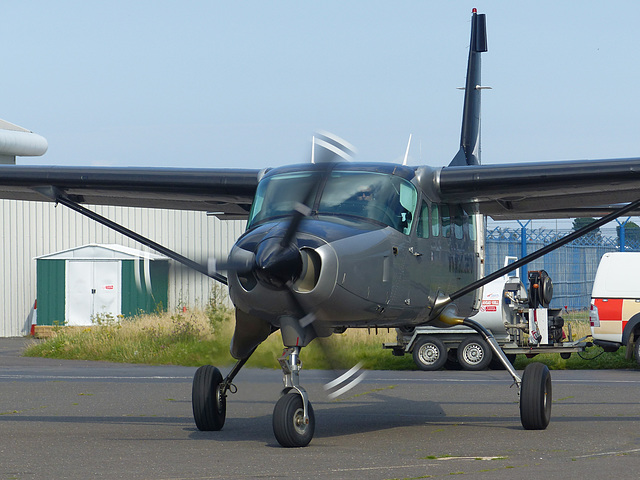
534	387
209	395
293	418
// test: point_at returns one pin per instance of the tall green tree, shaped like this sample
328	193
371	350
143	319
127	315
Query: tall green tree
594	236
631	234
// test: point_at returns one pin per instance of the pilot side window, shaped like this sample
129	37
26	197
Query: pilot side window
435	220
423	221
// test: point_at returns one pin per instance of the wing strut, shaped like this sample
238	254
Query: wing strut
60	197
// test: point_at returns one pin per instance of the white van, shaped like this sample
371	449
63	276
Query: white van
615	303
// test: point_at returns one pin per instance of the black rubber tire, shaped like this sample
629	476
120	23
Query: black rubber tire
636	350
287	421
535	397
209	405
452	360
474	353
429	353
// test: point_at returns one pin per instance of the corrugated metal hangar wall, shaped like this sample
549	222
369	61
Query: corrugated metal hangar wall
31	229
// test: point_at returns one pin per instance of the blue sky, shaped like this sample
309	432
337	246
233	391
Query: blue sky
245	84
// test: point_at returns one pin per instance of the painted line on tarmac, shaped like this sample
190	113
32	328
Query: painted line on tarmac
480	380
382	467
92	377
620	452
369	379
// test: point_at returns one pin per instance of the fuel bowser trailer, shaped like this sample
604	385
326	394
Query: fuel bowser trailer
520	320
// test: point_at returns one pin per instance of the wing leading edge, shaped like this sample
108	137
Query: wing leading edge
556	189
227	193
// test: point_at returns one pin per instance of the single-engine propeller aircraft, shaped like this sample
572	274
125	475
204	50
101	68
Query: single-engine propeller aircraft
332	244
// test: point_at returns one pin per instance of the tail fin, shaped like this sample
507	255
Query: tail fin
469	153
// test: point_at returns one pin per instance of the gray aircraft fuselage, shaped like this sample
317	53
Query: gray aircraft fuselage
376	250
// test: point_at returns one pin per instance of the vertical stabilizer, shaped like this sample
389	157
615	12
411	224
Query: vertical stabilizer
469	153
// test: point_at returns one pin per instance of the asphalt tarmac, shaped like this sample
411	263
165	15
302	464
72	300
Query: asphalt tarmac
77	420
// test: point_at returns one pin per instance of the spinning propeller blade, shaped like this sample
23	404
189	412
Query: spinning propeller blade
278	262
332	149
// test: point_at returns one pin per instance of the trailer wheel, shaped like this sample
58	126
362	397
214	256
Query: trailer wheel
535	397
474	353
429	353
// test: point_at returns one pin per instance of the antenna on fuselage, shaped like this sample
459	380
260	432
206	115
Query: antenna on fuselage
406	153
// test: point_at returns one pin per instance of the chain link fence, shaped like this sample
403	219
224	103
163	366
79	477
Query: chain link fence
572	267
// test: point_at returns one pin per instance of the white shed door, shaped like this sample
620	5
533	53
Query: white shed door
92	289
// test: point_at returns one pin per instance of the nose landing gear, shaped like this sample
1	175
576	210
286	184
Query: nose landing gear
293	418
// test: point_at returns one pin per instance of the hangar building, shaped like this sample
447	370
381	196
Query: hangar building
35	229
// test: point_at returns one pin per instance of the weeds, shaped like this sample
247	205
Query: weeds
214	310
202	337
161	338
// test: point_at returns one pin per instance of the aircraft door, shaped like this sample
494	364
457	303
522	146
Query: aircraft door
424	253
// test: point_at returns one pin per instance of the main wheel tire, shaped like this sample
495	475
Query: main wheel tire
208	402
288	421
474	353
535	397
429	353
636	350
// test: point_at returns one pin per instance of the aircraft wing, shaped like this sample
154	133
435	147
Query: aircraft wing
227	193
558	189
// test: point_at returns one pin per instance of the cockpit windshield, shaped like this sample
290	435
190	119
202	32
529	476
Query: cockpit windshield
384	198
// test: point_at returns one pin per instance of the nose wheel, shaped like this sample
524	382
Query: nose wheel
289	425
293	419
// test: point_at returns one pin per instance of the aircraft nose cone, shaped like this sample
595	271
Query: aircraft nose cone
276	265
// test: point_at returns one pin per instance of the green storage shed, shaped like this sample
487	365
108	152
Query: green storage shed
99	282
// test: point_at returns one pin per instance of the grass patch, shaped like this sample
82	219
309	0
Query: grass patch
162	338
196	338
593	358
